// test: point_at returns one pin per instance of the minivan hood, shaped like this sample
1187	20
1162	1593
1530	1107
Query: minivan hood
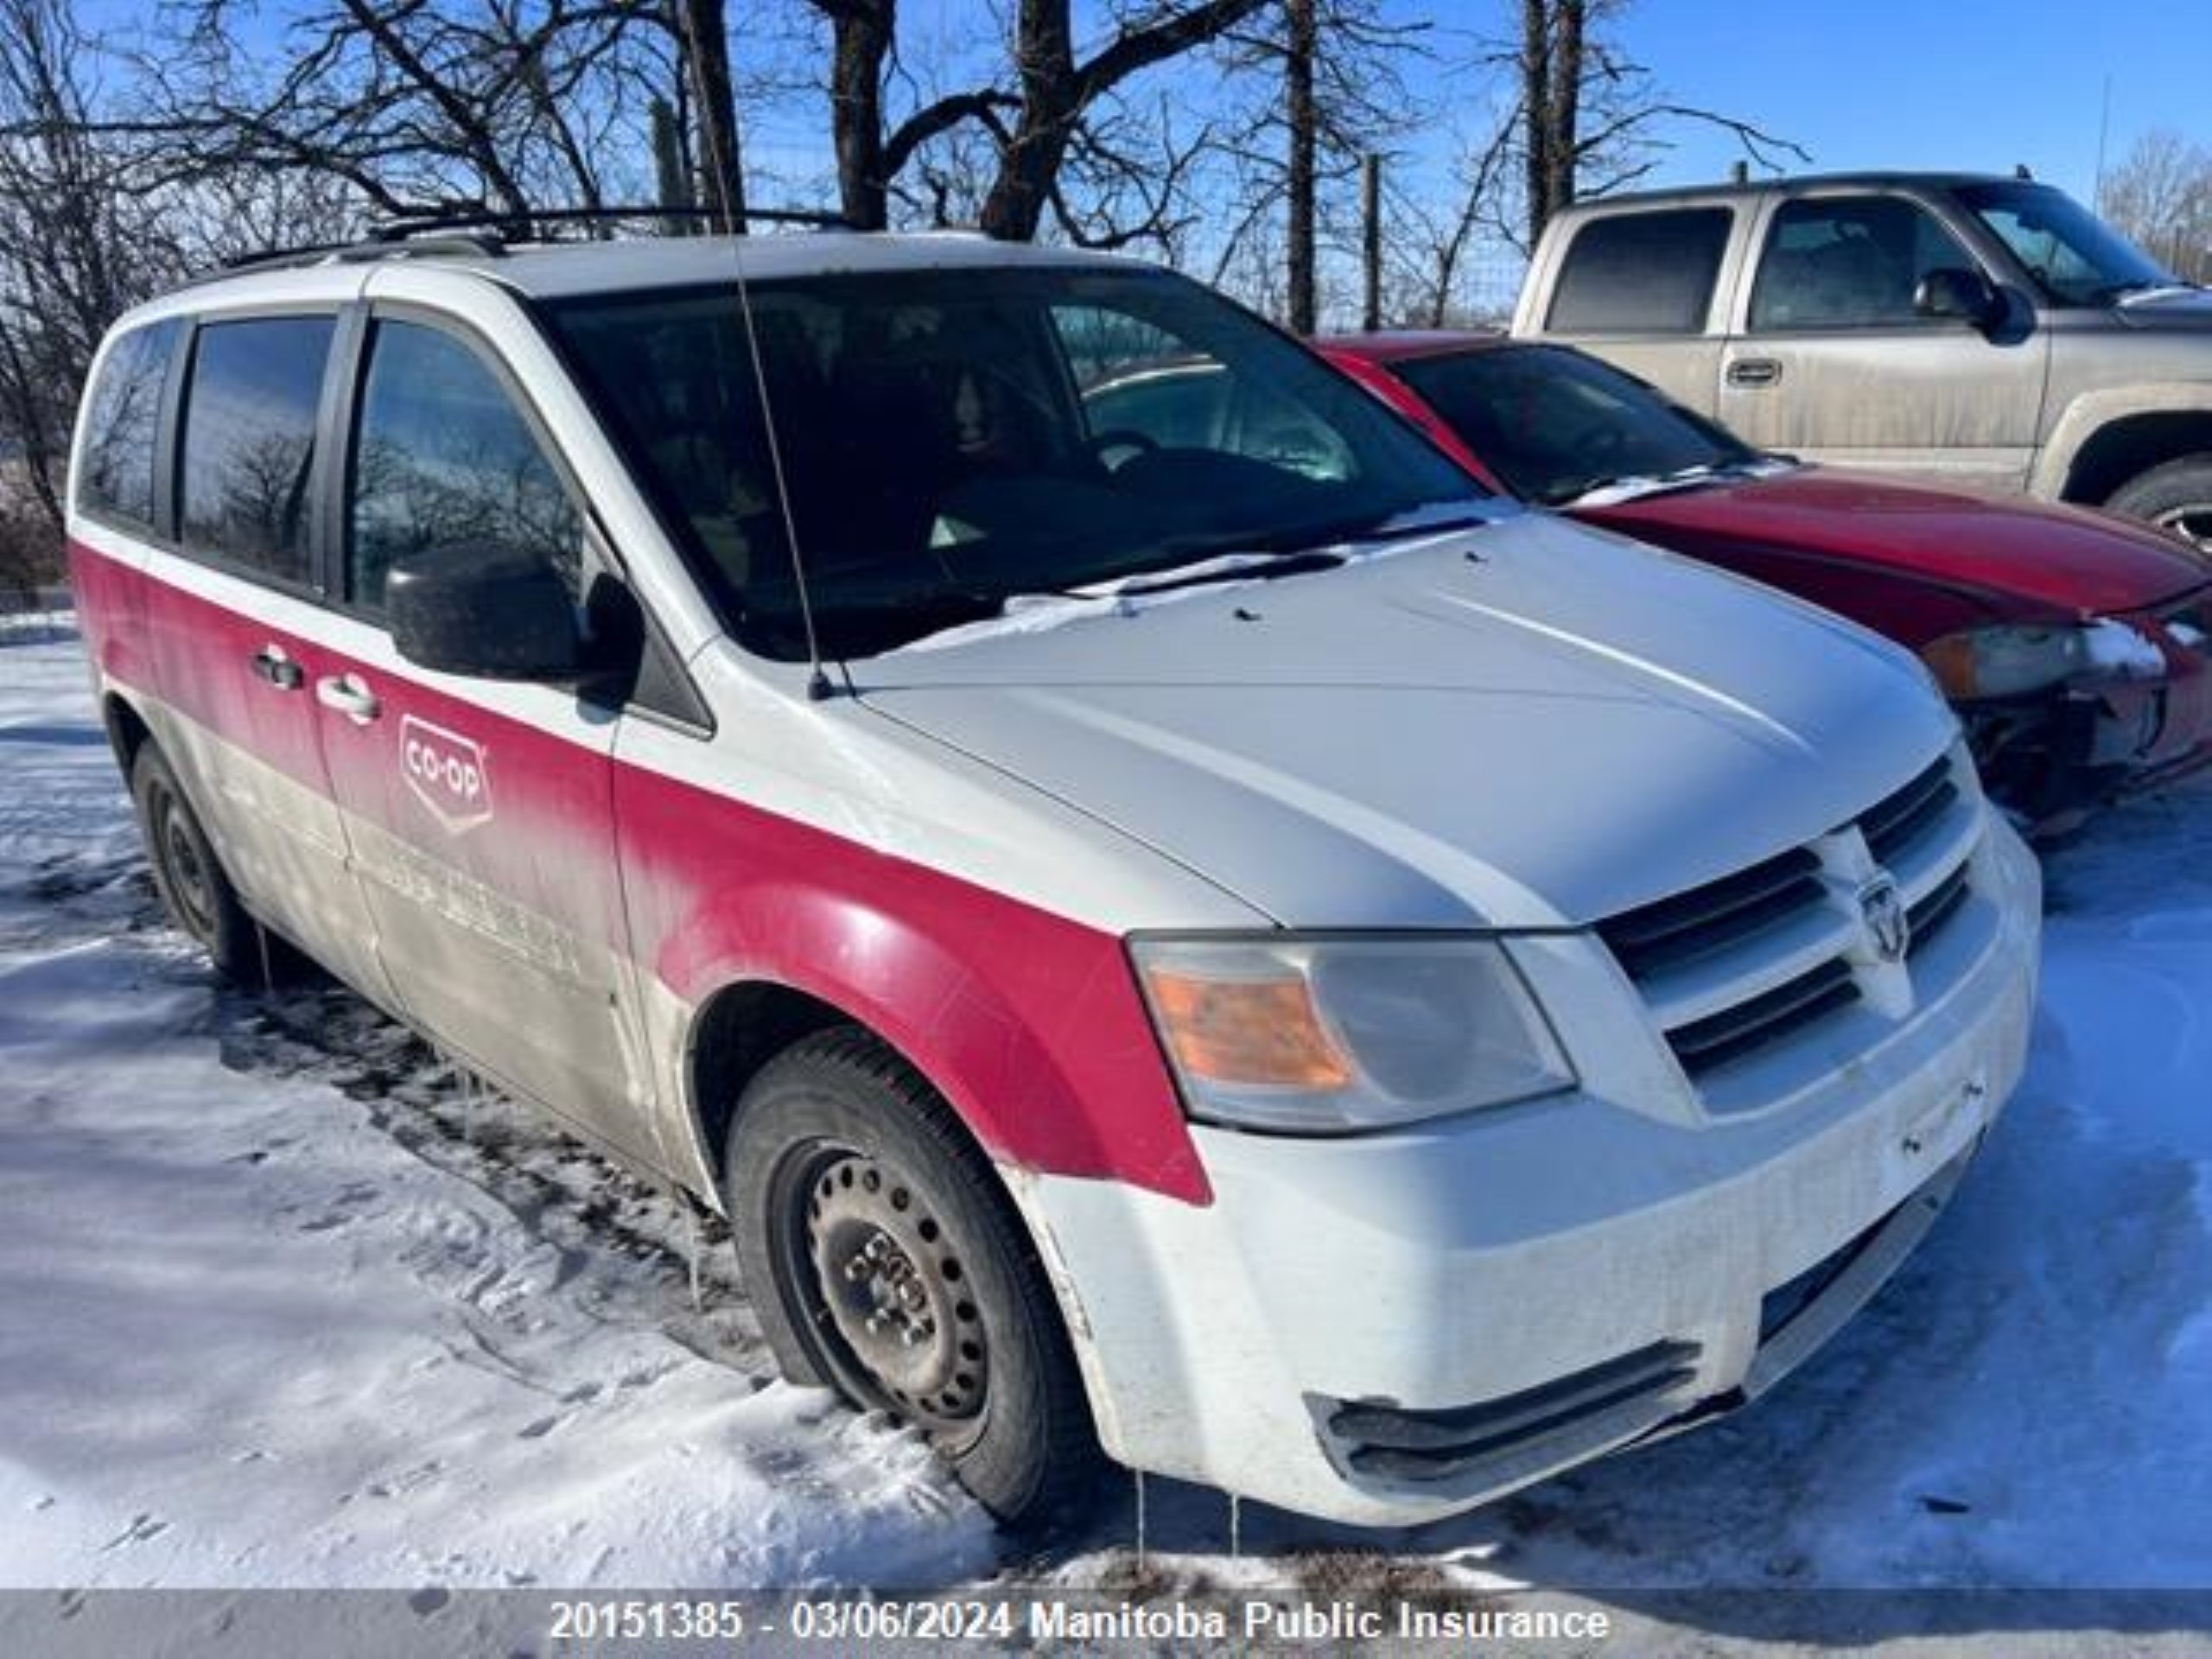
1526	724
2051	557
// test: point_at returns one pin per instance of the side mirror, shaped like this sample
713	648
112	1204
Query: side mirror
487	609
1961	296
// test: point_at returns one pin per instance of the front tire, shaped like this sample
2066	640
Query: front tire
2177	498
884	1259
195	889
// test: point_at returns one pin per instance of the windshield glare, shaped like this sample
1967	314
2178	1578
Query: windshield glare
2070	254
1554	424
951	438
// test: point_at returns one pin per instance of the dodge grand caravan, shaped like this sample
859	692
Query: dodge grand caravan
1233	949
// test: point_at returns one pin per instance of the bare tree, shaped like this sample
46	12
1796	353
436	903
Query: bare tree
1592	120
79	242
1050	114
2161	197
702	38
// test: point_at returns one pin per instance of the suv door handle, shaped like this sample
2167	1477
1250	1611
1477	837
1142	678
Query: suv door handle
271	664
1754	371
349	697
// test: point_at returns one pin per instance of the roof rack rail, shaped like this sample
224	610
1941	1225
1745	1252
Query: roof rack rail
513	226
488	232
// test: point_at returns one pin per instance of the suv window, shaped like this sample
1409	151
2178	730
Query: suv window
249	442
441	456
117	475
1641	273
1849	262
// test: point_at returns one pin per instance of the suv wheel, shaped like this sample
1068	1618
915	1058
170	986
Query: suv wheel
2177	498
884	1259
194	888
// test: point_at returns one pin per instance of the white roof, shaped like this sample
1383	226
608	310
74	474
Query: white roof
551	271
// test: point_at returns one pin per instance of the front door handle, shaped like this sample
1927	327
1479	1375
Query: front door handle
349	697
1755	372
271	664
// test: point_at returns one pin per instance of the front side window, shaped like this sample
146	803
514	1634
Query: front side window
1641	273
442	458
115	476
950	439
1849	262
249	442
2071	255
1554	424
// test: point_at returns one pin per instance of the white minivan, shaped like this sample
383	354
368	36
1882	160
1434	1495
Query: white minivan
1197	936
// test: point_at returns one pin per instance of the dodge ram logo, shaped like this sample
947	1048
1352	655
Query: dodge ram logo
1889	927
447	772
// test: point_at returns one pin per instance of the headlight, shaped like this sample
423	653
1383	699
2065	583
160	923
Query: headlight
1334	1035
2004	662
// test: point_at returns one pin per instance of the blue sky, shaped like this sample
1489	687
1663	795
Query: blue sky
1925	83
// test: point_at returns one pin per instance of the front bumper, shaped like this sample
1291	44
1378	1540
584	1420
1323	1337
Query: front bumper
2052	758
1389	1329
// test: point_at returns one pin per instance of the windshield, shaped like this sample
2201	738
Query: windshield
2074	256
951	439
1554	424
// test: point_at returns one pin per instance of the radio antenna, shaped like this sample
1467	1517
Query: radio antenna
819	687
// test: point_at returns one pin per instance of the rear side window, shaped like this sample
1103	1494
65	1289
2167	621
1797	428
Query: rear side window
1641	273
249	442
116	475
443	458
1848	262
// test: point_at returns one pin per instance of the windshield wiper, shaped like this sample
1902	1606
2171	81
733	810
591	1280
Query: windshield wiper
1265	565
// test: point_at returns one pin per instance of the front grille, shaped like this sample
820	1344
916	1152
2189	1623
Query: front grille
1892	824
1940	903
1767	1018
1426	1445
1709	920
1746	963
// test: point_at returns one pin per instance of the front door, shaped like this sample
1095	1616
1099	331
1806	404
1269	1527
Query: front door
480	812
1831	362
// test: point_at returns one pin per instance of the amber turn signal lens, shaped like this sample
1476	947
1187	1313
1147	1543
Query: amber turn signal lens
1951	660
1247	1032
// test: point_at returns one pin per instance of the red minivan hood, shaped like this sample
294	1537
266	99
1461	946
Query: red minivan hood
2076	561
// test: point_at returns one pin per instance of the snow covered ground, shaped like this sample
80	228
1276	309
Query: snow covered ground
284	1302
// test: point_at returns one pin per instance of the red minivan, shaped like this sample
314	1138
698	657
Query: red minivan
2073	645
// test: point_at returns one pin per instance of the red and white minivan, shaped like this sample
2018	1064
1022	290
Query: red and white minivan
1236	949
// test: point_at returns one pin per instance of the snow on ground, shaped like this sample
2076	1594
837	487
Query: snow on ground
283	1302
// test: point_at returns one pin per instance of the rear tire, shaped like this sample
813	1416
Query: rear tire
195	889
2177	498
884	1259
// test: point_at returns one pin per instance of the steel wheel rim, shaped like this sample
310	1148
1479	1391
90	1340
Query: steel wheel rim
190	882
890	1287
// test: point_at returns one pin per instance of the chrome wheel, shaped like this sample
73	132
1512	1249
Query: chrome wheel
2191	521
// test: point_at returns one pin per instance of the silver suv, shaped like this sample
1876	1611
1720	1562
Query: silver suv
1988	331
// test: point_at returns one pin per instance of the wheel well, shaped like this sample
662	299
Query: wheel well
2117	451
741	1028
126	732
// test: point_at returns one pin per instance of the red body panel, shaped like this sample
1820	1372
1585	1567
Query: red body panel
1911	563
2015	560
1030	1023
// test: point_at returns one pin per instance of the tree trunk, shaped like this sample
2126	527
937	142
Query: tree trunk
861	34
1050	104
1551	97
704	33
1302	41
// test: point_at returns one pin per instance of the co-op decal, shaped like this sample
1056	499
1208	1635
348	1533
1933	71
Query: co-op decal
448	774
